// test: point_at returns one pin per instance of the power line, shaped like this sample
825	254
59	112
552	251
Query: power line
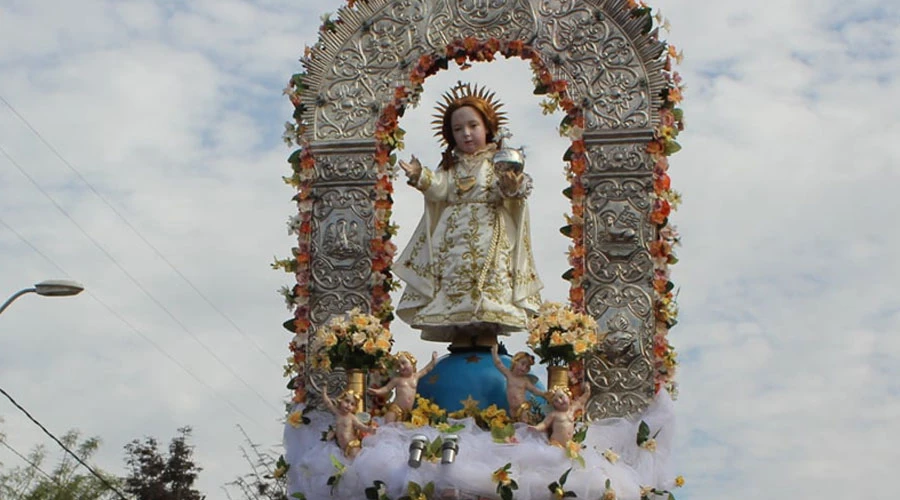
135	231
137	331
135	281
29	462
61	445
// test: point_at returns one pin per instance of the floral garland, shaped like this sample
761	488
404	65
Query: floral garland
665	201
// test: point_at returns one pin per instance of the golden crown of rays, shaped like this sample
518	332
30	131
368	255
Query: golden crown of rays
458	92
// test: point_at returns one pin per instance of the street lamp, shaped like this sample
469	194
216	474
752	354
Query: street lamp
48	288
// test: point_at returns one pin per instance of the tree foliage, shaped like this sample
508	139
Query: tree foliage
266	479
68	480
155	476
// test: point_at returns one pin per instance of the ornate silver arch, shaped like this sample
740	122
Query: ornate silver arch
614	72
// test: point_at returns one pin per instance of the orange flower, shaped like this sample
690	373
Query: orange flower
515	47
470	44
660	249
661	210
656	147
675	95
578	146
662	183
384	184
578	164
382	156
576	295
557	86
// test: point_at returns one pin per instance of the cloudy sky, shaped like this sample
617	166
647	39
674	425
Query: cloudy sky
141	155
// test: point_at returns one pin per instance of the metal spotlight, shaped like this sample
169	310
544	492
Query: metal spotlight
449	449
416	450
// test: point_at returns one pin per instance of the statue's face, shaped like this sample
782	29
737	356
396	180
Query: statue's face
347	404
521	367
405	366
469	131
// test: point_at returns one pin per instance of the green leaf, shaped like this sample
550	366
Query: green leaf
580	435
541	89
672	147
299	496
568	275
568	155
567	192
562	479
413	489
552	486
643	433
566	230
607	484
429	489
679	114
295	156
671	496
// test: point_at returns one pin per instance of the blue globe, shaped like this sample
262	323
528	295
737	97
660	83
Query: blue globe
469	373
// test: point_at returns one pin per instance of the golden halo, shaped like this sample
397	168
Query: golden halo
460	91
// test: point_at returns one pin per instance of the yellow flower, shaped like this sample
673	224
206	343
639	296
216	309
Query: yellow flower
295	419
679	481
418	419
609	494
368	346
559	493
330	339
279	472
501	476
649	445
646	491
611	456
573	449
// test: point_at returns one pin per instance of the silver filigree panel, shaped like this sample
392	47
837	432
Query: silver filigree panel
613	71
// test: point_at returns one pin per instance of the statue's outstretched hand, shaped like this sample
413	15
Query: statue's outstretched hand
412	169
510	182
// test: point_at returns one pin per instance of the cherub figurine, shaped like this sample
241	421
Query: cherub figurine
348	428
405	383
518	380
560	423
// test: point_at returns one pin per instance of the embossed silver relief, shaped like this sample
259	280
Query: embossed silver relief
502	19
619	158
332	168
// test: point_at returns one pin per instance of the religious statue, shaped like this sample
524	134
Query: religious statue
404	383
348	429
518	380
560	423
468	268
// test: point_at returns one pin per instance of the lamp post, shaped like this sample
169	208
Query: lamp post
48	288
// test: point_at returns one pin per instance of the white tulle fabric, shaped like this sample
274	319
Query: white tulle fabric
535	464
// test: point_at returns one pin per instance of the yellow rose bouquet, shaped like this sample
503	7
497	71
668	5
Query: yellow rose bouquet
559	335
352	341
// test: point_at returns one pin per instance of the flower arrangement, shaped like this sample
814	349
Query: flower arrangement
559	335
354	341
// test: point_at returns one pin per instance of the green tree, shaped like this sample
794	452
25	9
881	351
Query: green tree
266	479
68	480
154	476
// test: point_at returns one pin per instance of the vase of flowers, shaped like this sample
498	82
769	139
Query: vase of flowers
354	341
560	336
